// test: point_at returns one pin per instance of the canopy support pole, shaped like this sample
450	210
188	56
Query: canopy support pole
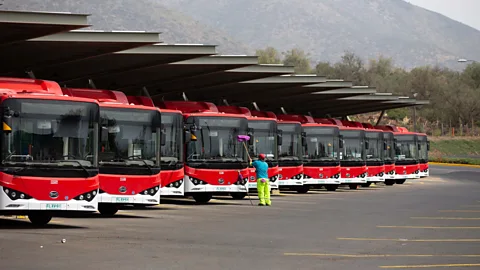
30	74
145	91
380	117
91	84
184	96
255	106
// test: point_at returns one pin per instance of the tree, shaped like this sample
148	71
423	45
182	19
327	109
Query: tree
325	69
269	55
350	68
299	59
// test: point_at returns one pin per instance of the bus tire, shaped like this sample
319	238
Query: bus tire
39	218
107	209
238	195
331	187
389	182
400	181
202	197
303	189
353	186
366	184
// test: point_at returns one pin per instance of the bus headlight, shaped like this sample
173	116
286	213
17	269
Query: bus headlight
175	184
149	191
196	181
87	196
15	195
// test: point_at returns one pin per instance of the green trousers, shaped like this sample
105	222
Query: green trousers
263	190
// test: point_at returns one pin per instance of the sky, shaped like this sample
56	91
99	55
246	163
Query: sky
464	11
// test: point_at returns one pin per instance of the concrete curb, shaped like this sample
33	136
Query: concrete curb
455	165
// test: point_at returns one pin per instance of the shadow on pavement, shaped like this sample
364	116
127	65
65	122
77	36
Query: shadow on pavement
24	224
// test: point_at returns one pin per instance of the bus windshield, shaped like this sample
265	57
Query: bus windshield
375	150
353	147
389	153
291	141
322	143
406	147
423	153
264	138
172	151
129	136
49	133
217	139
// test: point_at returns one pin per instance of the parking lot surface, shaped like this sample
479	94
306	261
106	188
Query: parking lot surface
426	223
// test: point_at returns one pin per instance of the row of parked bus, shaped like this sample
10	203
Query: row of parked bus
67	151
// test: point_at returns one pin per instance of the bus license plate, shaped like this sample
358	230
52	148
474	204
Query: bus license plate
54	206
122	199
221	189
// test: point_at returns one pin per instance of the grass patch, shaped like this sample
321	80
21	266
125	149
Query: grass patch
462	150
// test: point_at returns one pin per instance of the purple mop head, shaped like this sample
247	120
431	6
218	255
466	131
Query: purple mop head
243	138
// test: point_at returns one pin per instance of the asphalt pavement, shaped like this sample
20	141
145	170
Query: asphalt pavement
431	223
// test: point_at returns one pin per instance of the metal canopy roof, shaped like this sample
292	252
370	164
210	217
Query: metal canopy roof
77	73
252	90
315	98
69	46
284	95
356	105
385	105
18	26
196	85
153	76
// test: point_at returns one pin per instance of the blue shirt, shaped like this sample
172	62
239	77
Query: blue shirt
261	168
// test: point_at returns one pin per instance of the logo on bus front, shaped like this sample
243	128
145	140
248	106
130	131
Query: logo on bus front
221	181
122	189
53	194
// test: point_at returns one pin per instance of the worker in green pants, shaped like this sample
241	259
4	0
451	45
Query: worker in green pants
263	184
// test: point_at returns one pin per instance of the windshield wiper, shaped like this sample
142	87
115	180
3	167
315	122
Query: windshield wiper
148	166
79	164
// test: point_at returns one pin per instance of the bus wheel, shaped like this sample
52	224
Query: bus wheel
107	209
366	184
238	195
353	186
389	182
202	197
39	218
303	189
400	181
331	187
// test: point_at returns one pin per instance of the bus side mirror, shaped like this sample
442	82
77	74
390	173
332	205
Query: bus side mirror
163	138
396	145
250	134
304	138
279	137
367	144
340	142
419	147
385	145
428	146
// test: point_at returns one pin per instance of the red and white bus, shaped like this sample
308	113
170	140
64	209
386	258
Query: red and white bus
423	154
389	157
264	139
375	154
215	161
171	154
406	154
290	155
129	150
321	160
49	151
